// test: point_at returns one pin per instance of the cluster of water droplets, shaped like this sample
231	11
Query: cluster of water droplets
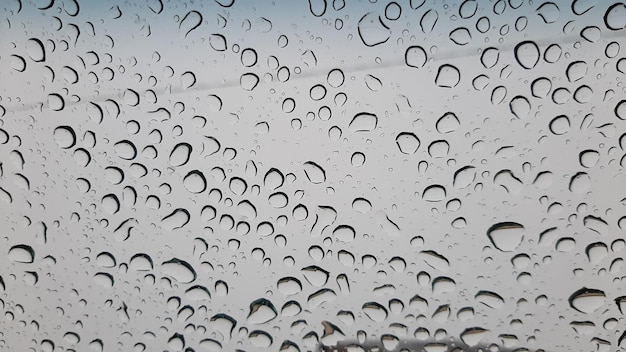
211	176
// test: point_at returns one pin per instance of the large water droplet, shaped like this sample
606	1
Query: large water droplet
506	236
587	300
261	311
372	30
527	54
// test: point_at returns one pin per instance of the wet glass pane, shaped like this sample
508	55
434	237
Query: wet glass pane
312	175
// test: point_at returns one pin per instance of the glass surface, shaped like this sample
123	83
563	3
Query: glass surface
315	175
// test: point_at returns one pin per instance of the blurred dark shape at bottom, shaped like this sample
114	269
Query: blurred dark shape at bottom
408	345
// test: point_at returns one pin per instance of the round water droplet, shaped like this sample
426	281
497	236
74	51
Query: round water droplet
415	56
489	57
195	182
249	57
35	50
249	81
447	123
460	36
434	193
527	54
317	92
335	78
552	53
179	270
615	17
393	11
520	107
588	158
372	30
407	142
559	125
65	137
344	233
289	286
506	236
56	102
541	87
468	9
125	149
238	185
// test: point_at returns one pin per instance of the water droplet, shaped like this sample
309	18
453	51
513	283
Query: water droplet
65	137
372	30
615	17
434	193
361	205
580	183
588	158
363	122
587	300
415	56
317	7
35	50
549	12
191	21
195	182
249	57
460	36
249	81
56	102
179	270
447	123
473	336
448	76
506	236
261	311
620	110
559	125
344	233
490	299
314	173
21	253
125	149
552	53
289	286
317	92
335	78
375	311
527	54
407	142
393	11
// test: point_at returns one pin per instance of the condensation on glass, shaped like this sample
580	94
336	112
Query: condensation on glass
316	175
